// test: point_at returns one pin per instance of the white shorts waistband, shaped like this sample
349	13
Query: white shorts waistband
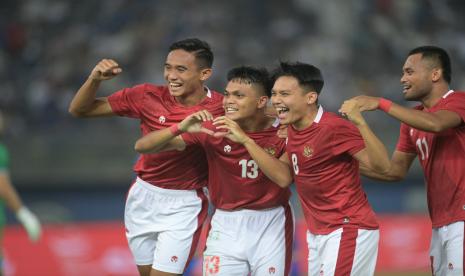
245	212
165	192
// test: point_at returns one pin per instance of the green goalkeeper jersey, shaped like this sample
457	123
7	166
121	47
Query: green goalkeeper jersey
4	163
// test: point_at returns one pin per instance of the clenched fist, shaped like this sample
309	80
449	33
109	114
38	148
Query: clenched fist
106	69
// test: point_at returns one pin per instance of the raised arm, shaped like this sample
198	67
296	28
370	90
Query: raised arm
277	170
374	156
426	121
400	164
169	139
85	103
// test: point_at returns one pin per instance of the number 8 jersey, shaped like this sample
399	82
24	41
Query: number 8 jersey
327	175
442	157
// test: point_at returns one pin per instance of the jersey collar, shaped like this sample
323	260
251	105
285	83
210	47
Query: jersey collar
319	114
448	93
209	92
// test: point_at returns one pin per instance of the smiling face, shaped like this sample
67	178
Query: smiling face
183	75
417	78
242	99
291	101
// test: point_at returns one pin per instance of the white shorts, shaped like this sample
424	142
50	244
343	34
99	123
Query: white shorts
250	242
345	251
163	226
446	250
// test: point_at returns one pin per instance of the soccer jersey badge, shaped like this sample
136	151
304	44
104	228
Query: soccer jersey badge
271	151
227	148
162	119
308	151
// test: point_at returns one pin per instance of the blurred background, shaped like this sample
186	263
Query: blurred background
75	173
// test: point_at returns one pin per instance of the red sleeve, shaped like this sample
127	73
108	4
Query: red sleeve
128	101
455	103
405	144
190	138
346	138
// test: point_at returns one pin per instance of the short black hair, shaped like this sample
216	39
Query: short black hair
308	76
201	50
439	56
252	75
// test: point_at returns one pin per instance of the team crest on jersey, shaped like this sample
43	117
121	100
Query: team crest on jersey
162	119
271	270
308	151
174	259
271	151
227	148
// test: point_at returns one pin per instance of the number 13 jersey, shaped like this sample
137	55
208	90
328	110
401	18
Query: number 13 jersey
234	179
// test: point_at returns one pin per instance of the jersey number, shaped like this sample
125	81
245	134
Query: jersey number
249	168
423	148
294	163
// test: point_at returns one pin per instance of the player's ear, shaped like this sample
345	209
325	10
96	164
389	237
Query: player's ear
205	74
311	97
436	74
262	101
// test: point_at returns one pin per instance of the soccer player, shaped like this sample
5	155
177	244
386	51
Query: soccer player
251	230
324	152
435	132
166	206
10	198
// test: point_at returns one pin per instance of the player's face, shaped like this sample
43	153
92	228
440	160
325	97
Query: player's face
242	100
416	78
182	74
289	99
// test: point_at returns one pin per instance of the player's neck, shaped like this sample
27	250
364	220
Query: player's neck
307	120
436	94
193	98
257	123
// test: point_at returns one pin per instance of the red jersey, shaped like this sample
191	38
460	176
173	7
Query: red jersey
234	179
326	175
442	157
157	109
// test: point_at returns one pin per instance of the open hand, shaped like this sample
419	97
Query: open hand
229	129
193	122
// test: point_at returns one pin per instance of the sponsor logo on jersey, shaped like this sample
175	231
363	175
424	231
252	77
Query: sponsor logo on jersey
308	151
174	259
162	119
227	148
271	151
